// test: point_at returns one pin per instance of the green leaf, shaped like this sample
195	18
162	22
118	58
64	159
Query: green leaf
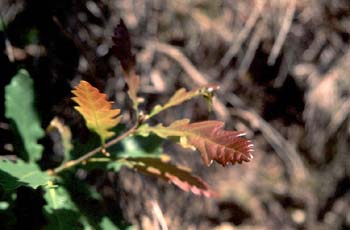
13	175
107	224
135	147
62	219
19	106
60	210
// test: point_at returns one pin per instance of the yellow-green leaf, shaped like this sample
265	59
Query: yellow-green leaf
96	110
182	95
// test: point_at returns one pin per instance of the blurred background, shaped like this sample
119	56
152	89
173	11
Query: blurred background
284	71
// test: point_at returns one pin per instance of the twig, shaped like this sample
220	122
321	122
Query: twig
243	34
315	47
287	22
93	152
284	69
285	151
338	118
177	55
159	215
213	26
253	46
197	77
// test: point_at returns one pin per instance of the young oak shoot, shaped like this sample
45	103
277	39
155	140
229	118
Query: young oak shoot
208	137
99	117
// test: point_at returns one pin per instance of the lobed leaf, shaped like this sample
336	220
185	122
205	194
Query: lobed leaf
96	110
19	106
182	95
161	168
13	175
209	138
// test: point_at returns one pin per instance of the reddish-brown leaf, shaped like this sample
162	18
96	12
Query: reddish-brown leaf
122	50
96	110
178	175
209	138
122	46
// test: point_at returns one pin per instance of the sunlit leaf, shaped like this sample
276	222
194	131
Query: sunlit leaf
162	168
209	138
96	110
65	133
19	106
182	95
15	174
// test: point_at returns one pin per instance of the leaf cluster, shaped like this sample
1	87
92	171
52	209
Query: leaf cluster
62	210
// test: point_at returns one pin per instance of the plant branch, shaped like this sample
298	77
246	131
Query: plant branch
93	152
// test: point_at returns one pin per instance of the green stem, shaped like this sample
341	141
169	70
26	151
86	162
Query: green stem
93	152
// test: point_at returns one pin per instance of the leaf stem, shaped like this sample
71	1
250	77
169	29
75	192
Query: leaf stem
93	152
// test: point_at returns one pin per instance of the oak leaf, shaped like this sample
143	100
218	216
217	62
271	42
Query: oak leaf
162	168
96	110
209	138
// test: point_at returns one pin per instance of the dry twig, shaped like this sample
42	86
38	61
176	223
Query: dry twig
282	35
158	215
243	34
197	77
286	152
253	46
